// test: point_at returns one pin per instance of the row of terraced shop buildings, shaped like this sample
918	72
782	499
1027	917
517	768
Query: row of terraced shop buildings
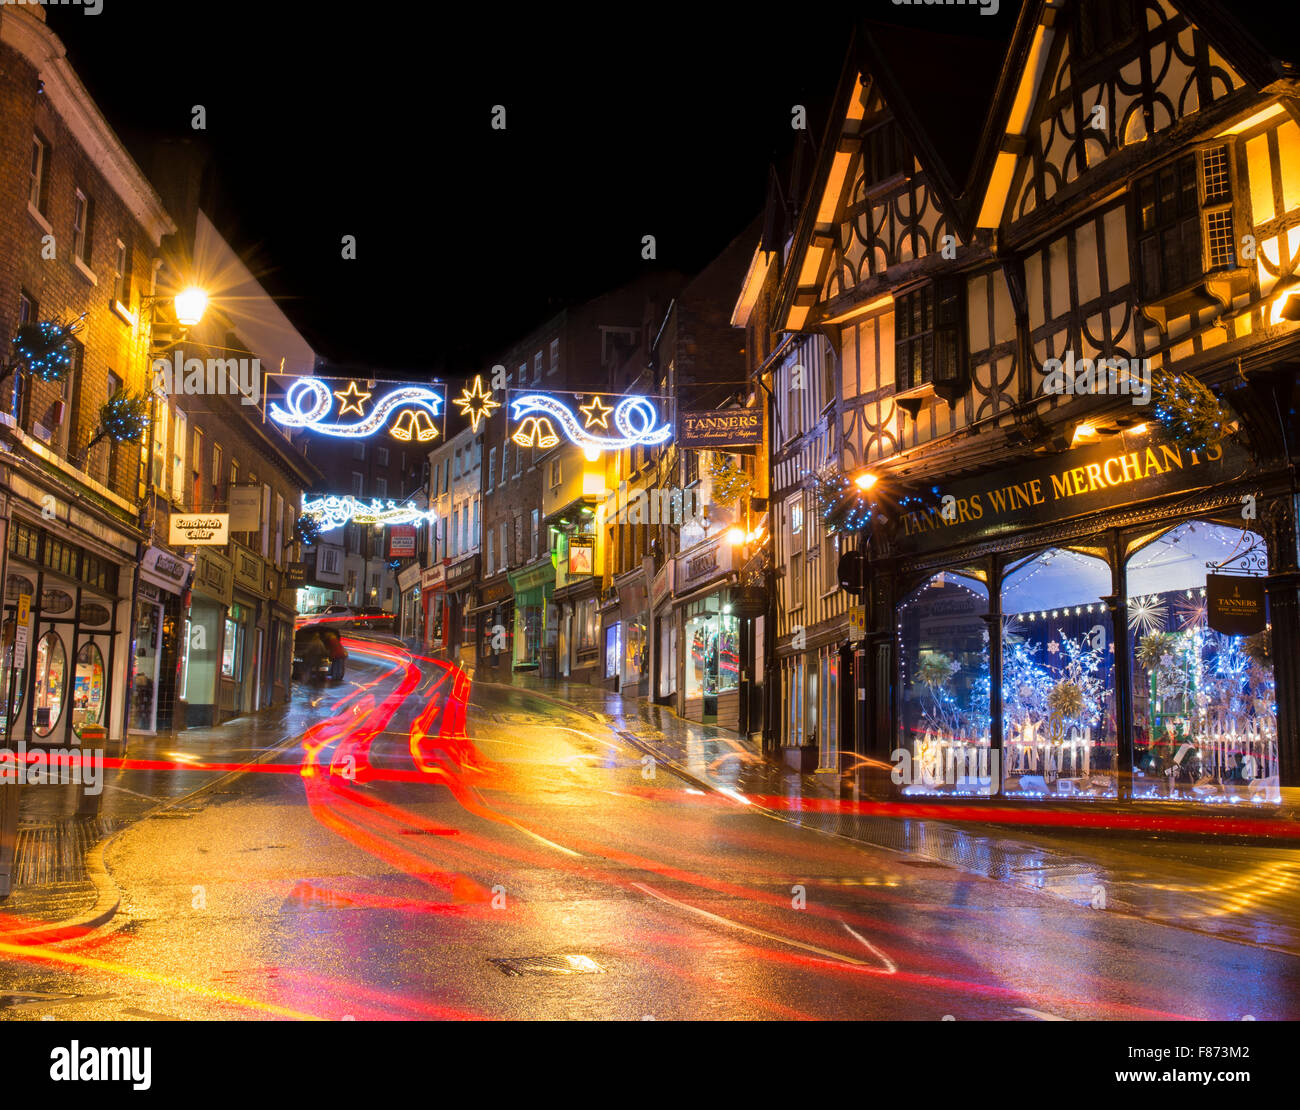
1065	573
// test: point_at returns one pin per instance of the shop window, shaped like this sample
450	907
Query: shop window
713	649
635	651
51	682
944	688
1058	677
829	741
612	650
1204	703
88	687
231	646
13	680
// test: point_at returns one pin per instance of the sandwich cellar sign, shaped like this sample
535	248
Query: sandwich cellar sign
200	529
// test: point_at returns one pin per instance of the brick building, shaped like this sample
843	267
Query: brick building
81	231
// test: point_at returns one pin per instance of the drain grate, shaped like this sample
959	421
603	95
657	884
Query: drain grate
547	965
56	853
925	863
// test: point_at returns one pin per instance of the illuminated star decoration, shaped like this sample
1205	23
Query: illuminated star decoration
1146	614
1053	647
352	399
476	403
634	417
308	400
596	413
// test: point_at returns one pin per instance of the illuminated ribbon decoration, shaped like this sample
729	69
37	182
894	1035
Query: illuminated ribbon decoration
334	512
309	399
634	417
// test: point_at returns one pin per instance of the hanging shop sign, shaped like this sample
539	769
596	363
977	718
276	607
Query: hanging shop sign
749	602
410	413
594	422
334	512
401	541
295	576
726	428
1234	604
409	579
1073	483
582	554
245	509
199	529
461	574
165	569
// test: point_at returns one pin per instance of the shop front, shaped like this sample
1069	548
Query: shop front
159	642
494	617
664	634
410	610
65	630
532	588
709	652
634	619
461	577
203	662
1094	624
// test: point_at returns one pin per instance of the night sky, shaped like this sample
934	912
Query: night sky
374	120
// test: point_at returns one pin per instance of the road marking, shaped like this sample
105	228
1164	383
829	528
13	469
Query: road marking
1039	1014
893	967
823	952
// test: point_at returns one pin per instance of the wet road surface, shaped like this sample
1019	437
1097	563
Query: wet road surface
436	850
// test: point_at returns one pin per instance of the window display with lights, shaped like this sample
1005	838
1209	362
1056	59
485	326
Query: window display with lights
712	648
1204	703
944	688
1058	677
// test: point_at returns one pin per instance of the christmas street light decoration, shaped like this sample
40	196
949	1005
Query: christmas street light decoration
635	420
334	512
42	349
476	403
413	409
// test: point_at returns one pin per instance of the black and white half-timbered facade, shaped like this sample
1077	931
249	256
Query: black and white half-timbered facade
1052	333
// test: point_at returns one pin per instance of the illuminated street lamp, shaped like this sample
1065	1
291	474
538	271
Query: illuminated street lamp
865	480
190	304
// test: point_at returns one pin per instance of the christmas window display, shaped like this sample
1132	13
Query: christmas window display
1058	717
944	689
712	649
1204	703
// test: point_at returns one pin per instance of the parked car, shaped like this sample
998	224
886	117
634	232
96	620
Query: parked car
373	617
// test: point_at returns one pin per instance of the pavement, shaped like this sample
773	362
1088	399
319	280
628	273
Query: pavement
1247	891
60	885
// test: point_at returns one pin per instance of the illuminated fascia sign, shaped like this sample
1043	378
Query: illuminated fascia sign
334	512
410	413
542	418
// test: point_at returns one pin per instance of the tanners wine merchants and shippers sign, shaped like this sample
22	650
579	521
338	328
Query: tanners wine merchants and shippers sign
1058	487
726	428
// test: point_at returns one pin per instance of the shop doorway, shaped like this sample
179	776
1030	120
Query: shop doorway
148	651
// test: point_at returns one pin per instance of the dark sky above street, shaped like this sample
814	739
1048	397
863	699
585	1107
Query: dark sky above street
375	121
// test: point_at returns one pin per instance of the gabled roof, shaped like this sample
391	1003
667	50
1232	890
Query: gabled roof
938	88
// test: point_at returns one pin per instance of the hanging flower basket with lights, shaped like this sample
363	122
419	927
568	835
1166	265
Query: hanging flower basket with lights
123	418
1188	411
42	349
307	529
844	507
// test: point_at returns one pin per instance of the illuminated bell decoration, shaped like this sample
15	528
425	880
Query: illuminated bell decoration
334	512
476	403
412	409
635	419
536	431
